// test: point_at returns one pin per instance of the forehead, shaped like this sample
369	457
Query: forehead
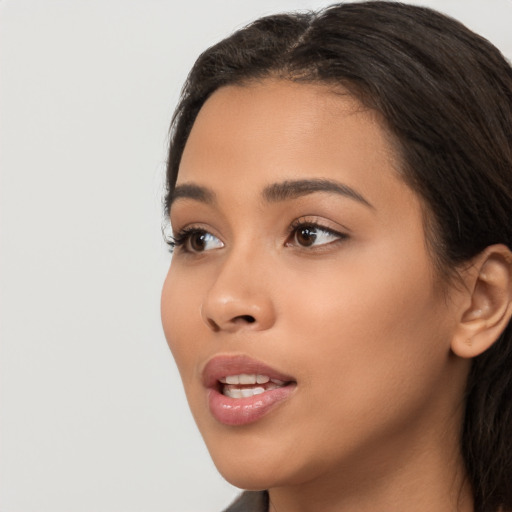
250	136
275	115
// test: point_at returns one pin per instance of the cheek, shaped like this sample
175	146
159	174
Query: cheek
178	303
370	353
367	330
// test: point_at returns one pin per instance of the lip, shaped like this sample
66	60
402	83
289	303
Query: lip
242	411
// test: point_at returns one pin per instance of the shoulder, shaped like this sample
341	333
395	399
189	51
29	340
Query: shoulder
250	501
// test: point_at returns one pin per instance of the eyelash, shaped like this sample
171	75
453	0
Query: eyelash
184	235
181	238
302	223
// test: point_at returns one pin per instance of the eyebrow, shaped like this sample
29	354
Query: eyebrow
191	191
292	189
277	192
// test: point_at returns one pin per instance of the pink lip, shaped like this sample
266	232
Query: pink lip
241	411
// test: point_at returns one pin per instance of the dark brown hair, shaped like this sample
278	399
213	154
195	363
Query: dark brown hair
446	96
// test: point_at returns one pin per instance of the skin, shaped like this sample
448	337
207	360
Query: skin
360	321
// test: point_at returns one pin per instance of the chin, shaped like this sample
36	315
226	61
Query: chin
255	462
247	480
253	478
246	464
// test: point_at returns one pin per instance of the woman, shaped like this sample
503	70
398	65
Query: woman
338	305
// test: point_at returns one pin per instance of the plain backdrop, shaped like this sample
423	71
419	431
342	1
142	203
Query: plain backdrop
92	414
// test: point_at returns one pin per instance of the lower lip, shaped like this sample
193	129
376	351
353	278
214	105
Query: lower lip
242	411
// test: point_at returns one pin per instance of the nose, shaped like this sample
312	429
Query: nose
239	298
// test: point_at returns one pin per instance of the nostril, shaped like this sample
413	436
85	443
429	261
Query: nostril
213	326
246	318
237	320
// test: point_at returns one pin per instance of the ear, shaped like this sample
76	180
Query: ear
489	286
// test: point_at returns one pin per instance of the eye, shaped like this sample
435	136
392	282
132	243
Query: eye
194	240
310	234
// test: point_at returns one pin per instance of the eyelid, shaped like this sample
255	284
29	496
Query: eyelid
318	224
183	235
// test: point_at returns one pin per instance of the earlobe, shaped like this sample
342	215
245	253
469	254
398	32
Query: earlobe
489	283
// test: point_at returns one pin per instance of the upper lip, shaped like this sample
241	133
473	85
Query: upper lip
222	366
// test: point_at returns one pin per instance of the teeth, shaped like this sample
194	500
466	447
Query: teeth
231	383
245	378
247	392
243	393
233	392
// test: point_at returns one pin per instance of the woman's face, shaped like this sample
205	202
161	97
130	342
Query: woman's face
302	267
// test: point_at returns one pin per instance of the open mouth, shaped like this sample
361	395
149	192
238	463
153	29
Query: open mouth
246	385
241	390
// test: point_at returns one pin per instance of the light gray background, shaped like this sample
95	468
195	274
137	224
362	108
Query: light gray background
92	415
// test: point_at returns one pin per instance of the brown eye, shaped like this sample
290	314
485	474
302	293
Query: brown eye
306	236
197	241
312	235
200	241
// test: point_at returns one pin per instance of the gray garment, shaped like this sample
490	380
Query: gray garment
250	501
